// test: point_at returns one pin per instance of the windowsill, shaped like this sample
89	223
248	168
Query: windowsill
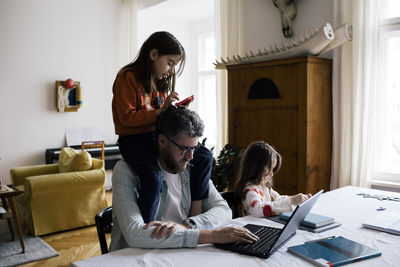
384	185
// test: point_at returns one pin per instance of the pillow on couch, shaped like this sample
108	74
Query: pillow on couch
71	161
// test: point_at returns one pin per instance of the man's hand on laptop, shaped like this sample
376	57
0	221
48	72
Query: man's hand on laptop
163	228
228	234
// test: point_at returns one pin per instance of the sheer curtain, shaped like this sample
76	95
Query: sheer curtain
355	78
227	44
129	31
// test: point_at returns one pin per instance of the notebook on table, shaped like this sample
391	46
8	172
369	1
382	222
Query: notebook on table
334	251
307	228
271	238
312	220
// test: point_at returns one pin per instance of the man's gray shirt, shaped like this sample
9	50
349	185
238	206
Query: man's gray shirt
128	231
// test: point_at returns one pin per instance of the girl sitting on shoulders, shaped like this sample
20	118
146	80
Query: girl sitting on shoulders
259	164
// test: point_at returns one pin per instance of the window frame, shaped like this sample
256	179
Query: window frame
204	27
389	27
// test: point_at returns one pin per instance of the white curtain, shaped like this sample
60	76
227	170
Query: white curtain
228	36
354	87
129	22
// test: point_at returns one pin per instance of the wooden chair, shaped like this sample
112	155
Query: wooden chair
233	202
103	224
94	144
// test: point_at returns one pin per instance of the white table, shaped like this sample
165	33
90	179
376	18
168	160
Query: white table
343	204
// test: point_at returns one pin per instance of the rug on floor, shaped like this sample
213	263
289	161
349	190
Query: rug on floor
35	249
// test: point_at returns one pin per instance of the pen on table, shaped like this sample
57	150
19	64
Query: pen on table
321	239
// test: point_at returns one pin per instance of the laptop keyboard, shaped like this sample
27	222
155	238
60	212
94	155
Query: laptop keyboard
267	237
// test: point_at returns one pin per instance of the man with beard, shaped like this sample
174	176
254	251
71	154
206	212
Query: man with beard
178	130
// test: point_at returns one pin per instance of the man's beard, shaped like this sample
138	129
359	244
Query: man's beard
173	165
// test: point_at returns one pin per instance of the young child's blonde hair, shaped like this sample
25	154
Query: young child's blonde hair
257	156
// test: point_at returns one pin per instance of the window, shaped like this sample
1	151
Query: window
206	82
387	160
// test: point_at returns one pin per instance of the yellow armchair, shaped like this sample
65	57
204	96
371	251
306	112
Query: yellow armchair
54	201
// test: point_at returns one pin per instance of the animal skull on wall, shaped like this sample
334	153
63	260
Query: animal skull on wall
288	11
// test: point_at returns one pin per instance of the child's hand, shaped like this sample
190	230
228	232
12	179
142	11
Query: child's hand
168	101
170	98
299	198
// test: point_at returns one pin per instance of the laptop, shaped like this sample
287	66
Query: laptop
271	238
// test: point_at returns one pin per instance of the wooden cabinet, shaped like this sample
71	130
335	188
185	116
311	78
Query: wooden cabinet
298	123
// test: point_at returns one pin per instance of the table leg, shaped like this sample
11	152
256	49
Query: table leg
5	206
11	201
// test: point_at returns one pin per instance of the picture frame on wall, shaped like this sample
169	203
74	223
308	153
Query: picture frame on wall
68	99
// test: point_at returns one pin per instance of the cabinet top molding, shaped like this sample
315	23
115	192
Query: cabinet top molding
314	42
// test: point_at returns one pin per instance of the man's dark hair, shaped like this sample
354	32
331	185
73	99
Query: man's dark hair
176	120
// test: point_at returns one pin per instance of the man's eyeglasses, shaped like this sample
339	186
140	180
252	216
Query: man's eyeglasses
184	149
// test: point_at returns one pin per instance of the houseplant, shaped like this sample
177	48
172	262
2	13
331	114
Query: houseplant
225	166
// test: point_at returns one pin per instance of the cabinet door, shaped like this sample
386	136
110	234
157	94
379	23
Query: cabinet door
274	120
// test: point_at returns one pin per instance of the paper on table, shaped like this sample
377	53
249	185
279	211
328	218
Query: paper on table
387	221
76	135
5	188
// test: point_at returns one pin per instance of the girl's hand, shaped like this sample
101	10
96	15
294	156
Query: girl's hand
170	98
163	228
299	198
168	101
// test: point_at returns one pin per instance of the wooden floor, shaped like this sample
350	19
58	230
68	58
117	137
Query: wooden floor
72	245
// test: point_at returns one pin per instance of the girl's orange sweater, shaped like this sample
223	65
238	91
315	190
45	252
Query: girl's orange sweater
133	109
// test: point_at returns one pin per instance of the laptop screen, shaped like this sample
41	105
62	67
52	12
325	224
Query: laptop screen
297	217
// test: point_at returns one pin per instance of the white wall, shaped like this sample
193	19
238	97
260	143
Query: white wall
47	40
43	41
260	23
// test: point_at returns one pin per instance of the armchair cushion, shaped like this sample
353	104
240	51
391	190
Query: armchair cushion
70	160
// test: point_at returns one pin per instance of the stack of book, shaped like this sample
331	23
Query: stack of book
313	222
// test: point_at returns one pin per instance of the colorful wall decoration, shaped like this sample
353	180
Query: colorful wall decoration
69	95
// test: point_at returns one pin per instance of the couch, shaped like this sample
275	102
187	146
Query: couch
60	196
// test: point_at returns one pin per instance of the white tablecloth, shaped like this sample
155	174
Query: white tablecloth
343	204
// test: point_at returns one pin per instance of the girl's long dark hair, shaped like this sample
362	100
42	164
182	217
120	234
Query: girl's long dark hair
257	156
166	44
